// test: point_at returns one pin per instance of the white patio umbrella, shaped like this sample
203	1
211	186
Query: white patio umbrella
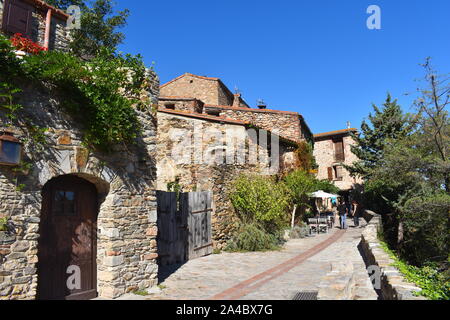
322	195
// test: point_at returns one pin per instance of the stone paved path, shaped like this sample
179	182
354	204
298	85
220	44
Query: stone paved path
276	275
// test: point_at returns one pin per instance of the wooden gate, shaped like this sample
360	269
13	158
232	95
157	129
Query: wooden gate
184	226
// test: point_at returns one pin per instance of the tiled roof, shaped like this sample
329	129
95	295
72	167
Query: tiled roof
333	133
43	5
251	109
176	98
202	116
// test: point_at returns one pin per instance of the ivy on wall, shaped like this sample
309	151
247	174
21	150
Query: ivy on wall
101	94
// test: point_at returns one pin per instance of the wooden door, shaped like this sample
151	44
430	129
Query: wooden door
197	206
68	238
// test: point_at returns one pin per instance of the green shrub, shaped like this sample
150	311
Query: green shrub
425	229
433	278
252	237
101	94
141	292
299	232
260	199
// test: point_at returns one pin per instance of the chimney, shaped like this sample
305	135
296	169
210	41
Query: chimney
261	104
237	100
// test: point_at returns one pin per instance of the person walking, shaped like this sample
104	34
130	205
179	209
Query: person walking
343	211
355	213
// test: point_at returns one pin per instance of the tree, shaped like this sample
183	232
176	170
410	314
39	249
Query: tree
417	167
435	123
298	184
305	157
99	24
260	199
387	123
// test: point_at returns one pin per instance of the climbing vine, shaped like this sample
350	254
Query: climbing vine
100	94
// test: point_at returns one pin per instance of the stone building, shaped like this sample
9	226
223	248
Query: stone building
190	102
73	213
210	96
114	194
206	89
37	21
332	150
202	152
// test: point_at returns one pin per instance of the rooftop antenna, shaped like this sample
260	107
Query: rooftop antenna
237	90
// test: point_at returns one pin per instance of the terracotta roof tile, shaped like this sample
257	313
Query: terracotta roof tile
202	116
43	5
337	132
252	109
176	98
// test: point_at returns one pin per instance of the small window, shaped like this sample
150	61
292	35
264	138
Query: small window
170	106
338	173
215	113
64	203
17	17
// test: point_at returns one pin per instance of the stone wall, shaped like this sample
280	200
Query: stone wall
182	104
393	284
208	90
324	154
60	37
287	124
125	181
339	283
204	176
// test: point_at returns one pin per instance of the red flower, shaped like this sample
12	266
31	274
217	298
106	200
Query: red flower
24	44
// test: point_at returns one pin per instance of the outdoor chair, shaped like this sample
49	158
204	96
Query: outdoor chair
313	225
330	221
323	225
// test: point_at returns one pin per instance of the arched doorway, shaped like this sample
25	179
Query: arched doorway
67	268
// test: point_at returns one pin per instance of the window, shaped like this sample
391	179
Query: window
213	112
338	173
339	149
64	203
17	17
170	106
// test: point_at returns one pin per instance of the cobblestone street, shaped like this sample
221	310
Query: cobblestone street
277	275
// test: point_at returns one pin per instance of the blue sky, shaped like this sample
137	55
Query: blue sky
317	57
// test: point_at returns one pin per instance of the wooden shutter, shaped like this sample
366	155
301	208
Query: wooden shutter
17	17
339	150
330	173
